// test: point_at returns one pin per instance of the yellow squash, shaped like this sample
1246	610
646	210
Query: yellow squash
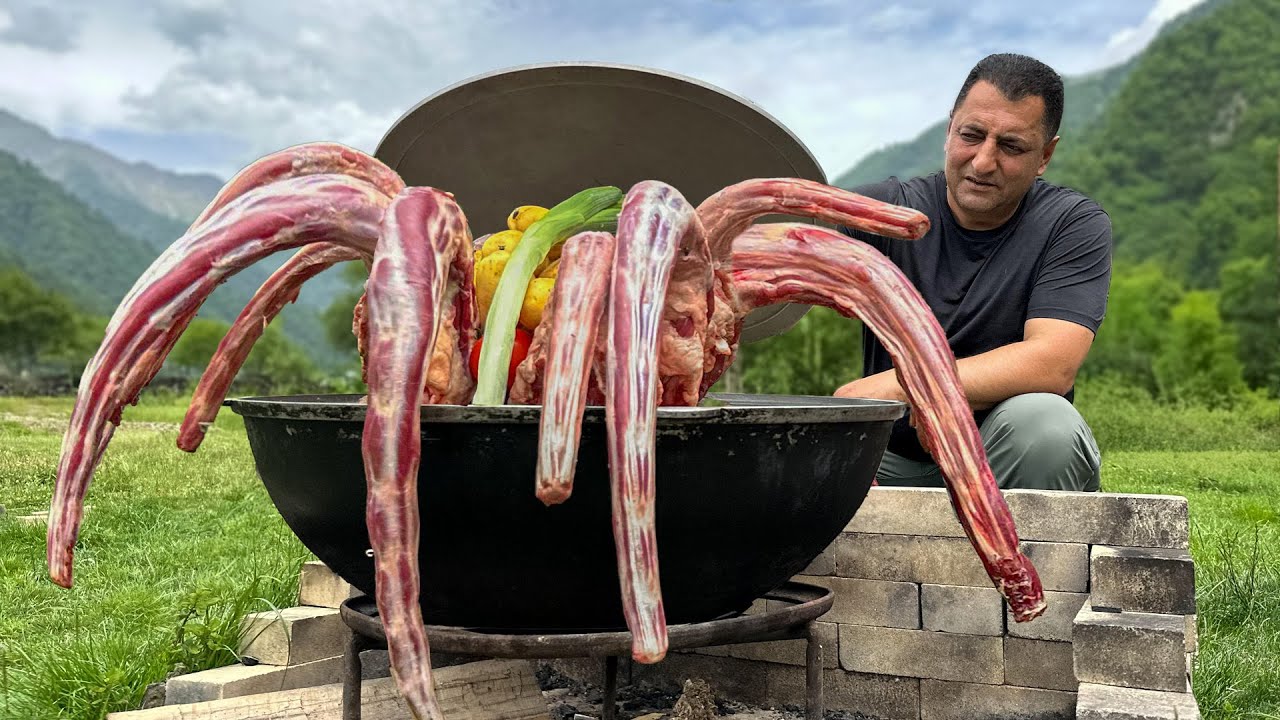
524	216
535	300
488	271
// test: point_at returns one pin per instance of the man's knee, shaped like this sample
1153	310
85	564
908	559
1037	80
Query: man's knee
1039	440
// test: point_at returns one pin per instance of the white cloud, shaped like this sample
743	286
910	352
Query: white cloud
846	77
1128	41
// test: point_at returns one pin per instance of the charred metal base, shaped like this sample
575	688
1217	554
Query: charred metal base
800	605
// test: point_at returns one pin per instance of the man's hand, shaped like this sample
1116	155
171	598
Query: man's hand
881	386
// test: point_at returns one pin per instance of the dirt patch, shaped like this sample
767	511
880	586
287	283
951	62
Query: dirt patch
569	699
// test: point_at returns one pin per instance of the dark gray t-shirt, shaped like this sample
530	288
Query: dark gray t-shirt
1052	259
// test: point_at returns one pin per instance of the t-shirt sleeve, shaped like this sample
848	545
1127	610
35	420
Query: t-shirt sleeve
889	191
1076	273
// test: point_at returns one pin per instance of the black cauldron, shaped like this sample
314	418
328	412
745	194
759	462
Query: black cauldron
750	489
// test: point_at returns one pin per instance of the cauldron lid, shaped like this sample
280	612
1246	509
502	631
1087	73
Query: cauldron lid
536	134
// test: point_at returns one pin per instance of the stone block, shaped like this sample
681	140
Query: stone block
922	654
318	586
487	690
965	610
1056	622
1134	650
906	511
1100	518
790	652
909	558
1039	664
824	564
1107	702
869	602
951	561
941	700
240	680
1146	580
772	684
1062	567
292	636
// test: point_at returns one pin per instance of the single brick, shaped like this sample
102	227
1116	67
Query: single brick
966	610
292	636
965	701
1039	664
1147	580
790	652
318	586
240	680
906	511
869	602
1107	702
1062	567
1134	650
909	558
1100	518
824	564
922	653
1057	620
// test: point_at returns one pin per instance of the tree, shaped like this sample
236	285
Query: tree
337	316
819	354
1135	327
32	321
194	349
1197	361
1250	305
274	365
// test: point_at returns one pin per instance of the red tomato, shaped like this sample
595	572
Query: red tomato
519	350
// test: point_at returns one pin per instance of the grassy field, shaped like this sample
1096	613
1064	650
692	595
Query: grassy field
177	547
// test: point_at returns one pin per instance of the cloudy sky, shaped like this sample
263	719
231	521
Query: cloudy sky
209	85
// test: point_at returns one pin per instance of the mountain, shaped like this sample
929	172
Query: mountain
63	244
160	192
141	204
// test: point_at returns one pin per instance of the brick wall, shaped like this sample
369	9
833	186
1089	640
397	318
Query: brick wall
918	633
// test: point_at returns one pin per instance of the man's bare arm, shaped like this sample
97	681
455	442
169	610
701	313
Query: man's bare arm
1045	360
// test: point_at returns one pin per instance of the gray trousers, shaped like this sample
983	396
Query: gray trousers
1037	440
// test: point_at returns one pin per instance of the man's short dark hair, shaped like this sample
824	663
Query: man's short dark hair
1017	77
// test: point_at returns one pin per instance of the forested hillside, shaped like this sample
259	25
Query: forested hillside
1185	160
140	203
63	245
1184	155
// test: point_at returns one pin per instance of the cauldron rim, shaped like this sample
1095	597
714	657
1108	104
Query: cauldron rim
718	408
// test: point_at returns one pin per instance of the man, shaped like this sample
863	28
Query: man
1015	269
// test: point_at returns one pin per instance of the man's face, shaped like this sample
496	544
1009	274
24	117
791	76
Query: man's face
995	150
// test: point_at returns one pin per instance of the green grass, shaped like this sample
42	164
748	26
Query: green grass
177	547
1234	502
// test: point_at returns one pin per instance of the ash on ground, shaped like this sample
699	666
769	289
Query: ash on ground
571	699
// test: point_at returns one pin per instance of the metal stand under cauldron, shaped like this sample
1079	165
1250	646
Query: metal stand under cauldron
802	604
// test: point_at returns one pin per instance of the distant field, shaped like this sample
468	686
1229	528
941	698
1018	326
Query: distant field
177	547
